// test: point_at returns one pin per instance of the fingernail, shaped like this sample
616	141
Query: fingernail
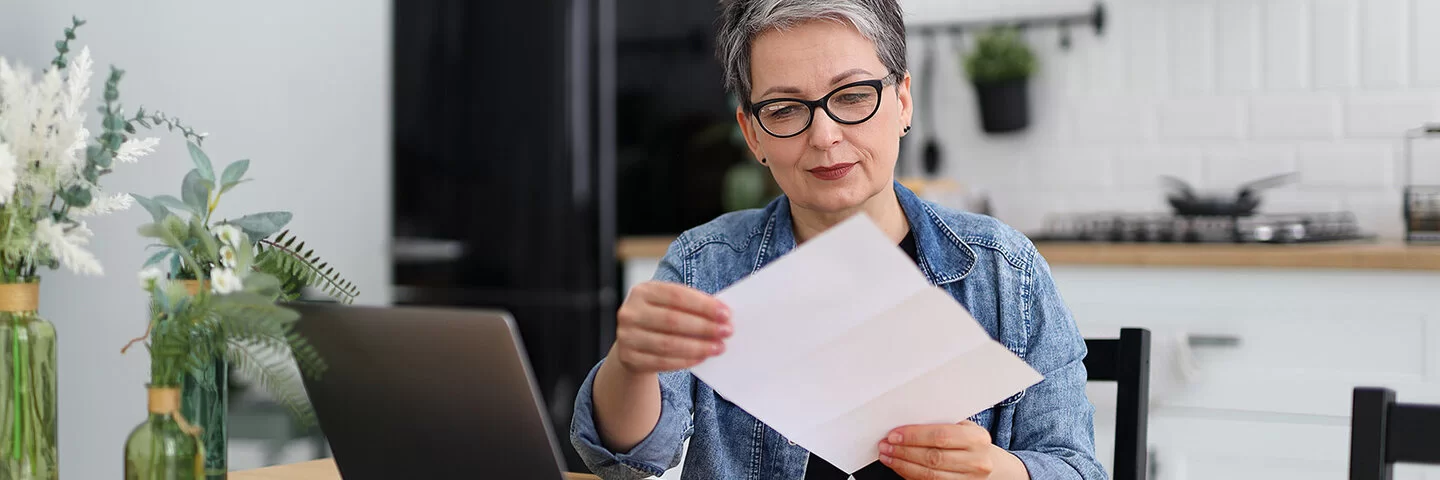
894	438
726	329
886	447
885	459
723	313
717	348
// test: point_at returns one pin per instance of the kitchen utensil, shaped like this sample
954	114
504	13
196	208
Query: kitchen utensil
1421	201
931	159
1188	202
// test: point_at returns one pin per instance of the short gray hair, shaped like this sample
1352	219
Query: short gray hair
880	21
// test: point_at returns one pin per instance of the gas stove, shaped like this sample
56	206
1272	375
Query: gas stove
1170	228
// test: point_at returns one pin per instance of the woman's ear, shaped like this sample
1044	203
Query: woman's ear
907	104
749	131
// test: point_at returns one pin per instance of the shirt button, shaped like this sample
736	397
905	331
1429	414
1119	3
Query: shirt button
792	443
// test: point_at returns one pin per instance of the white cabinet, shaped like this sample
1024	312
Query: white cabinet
1276	404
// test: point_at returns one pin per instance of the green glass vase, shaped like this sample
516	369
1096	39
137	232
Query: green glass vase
28	404
206	399
163	448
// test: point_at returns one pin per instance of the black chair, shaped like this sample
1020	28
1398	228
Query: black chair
1126	361
1384	433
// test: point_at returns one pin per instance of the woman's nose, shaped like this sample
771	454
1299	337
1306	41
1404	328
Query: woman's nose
824	132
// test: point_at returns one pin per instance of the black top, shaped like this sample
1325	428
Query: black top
819	469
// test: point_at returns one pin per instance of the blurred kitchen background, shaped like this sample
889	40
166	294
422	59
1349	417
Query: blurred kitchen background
538	156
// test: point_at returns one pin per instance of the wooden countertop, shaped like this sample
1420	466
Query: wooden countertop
1383	255
324	469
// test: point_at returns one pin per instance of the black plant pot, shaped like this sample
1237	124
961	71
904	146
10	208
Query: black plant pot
1005	106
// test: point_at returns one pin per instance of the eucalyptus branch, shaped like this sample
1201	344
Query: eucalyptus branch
63	46
157	119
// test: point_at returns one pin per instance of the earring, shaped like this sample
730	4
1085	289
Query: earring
762	161
907	129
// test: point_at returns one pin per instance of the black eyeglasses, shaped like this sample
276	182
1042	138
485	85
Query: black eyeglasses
848	105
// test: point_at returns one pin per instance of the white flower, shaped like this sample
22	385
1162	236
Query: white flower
228	235
227	256
149	276
7	173
103	204
133	149
66	245
224	280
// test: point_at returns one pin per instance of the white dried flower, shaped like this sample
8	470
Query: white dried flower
7	173
133	149
227	256
149	276
103	204
228	235
224	280
67	245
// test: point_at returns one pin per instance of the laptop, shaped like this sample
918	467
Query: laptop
415	392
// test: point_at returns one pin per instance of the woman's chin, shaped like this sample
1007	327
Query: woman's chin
837	197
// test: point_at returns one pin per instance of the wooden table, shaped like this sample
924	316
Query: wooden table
324	469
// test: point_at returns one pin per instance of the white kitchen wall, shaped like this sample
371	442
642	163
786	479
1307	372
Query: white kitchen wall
1216	92
299	88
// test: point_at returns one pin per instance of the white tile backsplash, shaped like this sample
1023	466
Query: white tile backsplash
1217	92
1286	44
1202	118
1238	32
1385	44
1389	115
1334	43
1354	167
1191	33
1295	117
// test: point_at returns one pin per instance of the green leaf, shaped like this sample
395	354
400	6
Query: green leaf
226	188
198	232
157	211
233	173
195	192
152	230
261	225
175	204
157	257
76	196
202	162
262	284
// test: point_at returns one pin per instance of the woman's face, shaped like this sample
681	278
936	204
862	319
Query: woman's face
830	167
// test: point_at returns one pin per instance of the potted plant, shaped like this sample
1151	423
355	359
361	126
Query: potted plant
216	287
1000	68
50	171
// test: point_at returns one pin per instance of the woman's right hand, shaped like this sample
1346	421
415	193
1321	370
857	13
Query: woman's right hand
667	326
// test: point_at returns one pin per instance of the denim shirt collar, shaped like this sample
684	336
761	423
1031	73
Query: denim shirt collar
944	257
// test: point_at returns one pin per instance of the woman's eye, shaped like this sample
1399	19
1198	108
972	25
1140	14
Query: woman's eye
854	98
780	112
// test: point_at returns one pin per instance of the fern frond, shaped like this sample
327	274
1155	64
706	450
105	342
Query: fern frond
273	379
298	267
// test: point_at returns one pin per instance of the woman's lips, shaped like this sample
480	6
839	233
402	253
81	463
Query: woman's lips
833	172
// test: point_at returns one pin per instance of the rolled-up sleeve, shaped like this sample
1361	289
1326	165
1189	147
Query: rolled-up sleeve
1055	421
661	450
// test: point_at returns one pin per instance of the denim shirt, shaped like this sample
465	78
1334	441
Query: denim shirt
991	269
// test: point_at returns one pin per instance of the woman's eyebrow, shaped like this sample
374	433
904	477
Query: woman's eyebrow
837	79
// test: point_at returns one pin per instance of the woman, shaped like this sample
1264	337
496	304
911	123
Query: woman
825	100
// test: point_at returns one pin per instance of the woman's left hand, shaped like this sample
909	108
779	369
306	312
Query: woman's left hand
933	452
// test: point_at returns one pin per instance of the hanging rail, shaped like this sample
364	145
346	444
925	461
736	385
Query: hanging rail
1095	18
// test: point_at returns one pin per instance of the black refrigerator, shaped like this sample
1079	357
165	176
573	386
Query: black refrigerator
503	175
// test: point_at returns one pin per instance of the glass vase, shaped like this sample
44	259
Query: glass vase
206	399
162	448
28	404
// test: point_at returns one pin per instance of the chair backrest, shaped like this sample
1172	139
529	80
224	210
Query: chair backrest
1126	361
1383	433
